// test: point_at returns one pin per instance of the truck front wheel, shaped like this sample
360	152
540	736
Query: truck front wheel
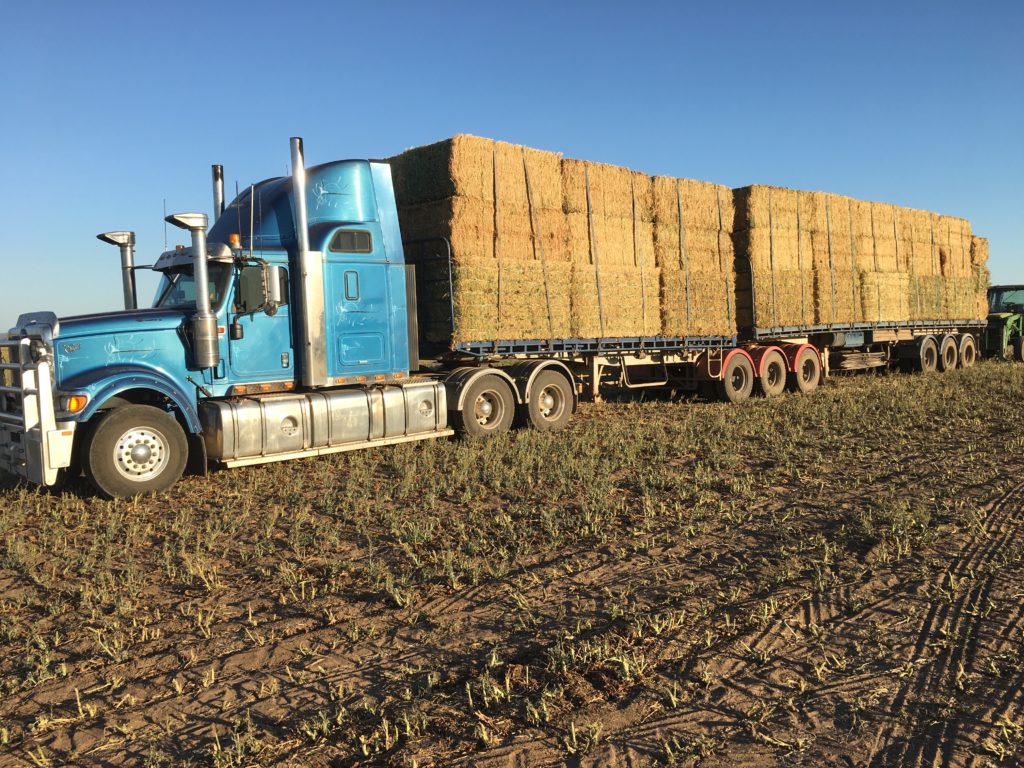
135	449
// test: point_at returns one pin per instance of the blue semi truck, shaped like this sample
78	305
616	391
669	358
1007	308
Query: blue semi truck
290	328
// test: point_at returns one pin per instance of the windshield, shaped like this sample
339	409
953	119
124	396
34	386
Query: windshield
1009	299
177	288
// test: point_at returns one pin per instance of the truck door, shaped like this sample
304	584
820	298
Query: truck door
358	302
264	351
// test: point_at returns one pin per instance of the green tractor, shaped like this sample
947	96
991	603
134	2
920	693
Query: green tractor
1004	336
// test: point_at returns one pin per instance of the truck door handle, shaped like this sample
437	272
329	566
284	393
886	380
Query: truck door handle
351	285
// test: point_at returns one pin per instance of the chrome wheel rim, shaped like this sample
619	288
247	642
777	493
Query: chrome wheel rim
488	409
141	454
550	403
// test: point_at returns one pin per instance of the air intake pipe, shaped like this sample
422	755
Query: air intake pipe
311	281
126	242
204	324
218	192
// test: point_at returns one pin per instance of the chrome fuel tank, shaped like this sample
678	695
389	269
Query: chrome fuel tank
266	427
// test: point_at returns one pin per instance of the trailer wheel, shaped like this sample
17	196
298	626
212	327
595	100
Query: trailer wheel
135	449
737	381
488	408
773	374
550	404
807	372
947	354
968	351
927	356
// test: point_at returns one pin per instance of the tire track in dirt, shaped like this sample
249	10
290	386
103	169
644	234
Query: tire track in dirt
956	617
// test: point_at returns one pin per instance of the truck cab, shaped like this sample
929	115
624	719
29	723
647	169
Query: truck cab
282	331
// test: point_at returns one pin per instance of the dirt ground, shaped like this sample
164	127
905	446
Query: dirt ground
825	580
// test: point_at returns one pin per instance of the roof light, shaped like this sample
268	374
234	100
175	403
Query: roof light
236	241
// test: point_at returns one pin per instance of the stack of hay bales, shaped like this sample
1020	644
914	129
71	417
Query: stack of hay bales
500	206
774	229
584	250
824	259
609	243
980	276
694	250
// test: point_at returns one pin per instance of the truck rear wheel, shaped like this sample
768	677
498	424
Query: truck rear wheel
738	380
807	372
927	356
968	351
947	354
773	374
550	404
487	409
135	449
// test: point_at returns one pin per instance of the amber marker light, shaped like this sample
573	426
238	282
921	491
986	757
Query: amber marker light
236	241
75	403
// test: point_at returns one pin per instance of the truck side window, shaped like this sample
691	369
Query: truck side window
351	241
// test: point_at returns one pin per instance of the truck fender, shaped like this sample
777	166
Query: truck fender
711	365
458	380
757	354
140	380
525	371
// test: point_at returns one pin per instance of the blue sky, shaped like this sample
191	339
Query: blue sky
109	108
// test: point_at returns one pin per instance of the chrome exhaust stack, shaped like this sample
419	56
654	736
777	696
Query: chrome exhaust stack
311	281
218	192
204	324
126	242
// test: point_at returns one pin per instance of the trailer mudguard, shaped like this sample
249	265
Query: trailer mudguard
712	363
758	354
792	354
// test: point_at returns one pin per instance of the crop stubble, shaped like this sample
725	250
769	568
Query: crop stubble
688	587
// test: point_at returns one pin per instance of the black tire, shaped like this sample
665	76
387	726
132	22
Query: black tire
772	381
927	356
737	381
488	408
1018	350
135	449
807	372
948	354
550	405
968	351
